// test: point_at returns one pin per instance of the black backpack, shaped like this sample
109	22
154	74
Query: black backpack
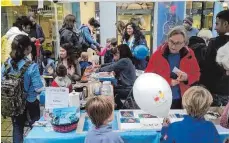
13	98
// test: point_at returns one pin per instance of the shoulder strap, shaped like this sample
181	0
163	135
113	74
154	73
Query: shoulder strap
7	67
24	68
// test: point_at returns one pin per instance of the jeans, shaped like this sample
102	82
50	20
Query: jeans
31	114
220	100
121	93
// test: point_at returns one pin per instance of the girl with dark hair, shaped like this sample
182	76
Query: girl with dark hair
134	37
62	80
22	26
68	59
86	31
124	71
21	48
68	32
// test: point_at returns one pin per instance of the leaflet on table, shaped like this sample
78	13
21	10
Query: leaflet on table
140	120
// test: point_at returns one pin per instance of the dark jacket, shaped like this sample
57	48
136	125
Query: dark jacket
199	47
159	64
69	35
108	57
124	70
40	33
214	76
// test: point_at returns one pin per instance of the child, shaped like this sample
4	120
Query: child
101	111
224	122
48	66
62	80
193	128
108	57
83	61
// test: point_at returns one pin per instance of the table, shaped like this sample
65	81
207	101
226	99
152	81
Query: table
47	135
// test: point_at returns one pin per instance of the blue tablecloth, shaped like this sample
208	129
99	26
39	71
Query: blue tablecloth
47	135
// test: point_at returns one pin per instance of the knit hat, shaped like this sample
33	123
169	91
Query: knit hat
188	20
114	41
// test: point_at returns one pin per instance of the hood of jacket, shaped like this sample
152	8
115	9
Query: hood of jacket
14	31
222	57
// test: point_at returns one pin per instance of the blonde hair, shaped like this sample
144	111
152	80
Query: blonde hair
178	30
99	109
84	56
197	100
205	33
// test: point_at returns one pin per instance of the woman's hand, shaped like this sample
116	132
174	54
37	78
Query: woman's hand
182	76
33	39
166	122
71	70
174	82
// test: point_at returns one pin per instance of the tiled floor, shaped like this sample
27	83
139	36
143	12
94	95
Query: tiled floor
7	129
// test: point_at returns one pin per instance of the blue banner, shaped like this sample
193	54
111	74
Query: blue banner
170	14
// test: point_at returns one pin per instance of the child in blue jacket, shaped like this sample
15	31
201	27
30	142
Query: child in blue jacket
193	128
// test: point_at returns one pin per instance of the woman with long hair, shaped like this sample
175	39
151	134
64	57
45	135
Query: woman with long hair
20	49
68	34
134	37
69	60
124	71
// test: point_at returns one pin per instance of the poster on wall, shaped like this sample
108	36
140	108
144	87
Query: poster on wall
170	14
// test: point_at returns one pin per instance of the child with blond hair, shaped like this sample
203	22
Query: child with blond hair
101	111
83	61
193	128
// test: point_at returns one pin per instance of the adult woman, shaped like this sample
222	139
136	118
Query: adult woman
173	55
21	48
68	33
124	71
133	37
86	31
68	59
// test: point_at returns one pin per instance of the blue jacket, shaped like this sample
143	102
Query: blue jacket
40	33
191	130
88	37
32	79
103	134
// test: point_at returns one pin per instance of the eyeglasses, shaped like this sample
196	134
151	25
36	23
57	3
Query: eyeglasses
175	43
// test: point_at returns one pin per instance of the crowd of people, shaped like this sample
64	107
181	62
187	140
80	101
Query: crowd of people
188	60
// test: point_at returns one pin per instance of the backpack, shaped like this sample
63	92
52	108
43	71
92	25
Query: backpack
13	98
4	49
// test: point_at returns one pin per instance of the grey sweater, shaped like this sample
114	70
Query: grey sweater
125	71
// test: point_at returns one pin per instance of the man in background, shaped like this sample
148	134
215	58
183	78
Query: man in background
191	31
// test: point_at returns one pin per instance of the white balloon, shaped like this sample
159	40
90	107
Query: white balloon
153	94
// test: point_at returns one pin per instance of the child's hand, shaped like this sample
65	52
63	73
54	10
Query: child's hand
166	122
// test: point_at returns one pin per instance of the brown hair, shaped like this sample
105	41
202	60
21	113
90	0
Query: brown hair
197	100
99	109
114	50
61	70
69	21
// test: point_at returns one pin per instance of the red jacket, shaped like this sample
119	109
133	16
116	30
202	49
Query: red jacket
54	84
159	64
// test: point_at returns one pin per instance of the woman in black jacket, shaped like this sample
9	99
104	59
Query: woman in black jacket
68	33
